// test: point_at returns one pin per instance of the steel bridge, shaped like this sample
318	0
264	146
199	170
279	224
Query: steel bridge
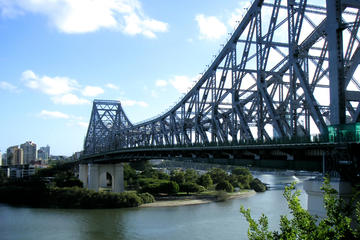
289	70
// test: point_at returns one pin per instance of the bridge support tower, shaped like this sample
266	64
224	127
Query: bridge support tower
316	195
96	176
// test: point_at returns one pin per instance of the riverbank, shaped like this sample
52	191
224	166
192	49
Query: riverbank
195	200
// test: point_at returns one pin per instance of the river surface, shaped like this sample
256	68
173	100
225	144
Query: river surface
213	221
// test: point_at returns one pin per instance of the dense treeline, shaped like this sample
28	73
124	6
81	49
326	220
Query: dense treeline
189	181
57	186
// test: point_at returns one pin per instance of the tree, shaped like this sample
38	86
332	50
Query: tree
170	187
257	185
302	225
225	185
244	181
177	176
190	175
205	180
241	171
218	175
189	187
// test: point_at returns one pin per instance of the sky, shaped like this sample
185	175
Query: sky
58	56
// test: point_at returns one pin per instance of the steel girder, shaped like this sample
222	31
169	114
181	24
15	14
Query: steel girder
107	118
282	73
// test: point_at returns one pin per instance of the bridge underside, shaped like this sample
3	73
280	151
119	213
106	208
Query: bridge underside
311	157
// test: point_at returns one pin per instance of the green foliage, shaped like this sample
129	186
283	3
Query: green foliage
157	186
190	175
162	175
55	168
218	175
66	179
225	185
147	197
149	173
170	187
82	198
69	197
129	174
302	225
241	171
205	181
257	230
244	181
177	176
257	185
189	187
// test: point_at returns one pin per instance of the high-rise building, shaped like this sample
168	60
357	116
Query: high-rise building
44	153
15	156
30	153
1	163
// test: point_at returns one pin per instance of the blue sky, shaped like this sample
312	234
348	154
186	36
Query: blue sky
57	56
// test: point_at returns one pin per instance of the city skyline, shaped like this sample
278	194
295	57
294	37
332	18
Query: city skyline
146	54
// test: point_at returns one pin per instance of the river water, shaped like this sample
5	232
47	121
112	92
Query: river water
220	220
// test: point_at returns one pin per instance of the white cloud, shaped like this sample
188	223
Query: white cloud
182	83
161	83
210	27
69	99
131	103
91	91
112	86
49	85
8	87
82	16
53	114
61	89
83	124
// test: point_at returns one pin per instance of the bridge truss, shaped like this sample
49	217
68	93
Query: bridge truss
289	69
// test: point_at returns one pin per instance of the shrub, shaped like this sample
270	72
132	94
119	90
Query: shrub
257	185
190	187
82	198
160	186
147	197
225	185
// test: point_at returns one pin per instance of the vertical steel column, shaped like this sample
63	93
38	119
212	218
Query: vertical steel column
292	77
336	62
260	74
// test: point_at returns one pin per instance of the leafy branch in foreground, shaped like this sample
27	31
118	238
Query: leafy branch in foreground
338	224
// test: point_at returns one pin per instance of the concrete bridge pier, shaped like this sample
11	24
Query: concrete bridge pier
96	176
316	195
